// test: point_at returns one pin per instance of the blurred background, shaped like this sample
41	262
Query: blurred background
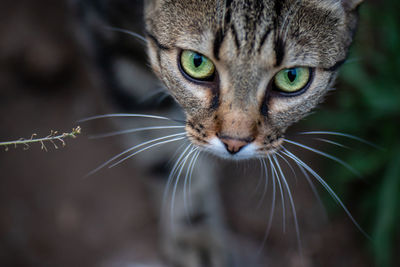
51	216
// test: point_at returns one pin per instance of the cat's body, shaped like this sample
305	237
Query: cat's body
239	109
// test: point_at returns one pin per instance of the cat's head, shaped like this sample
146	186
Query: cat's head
244	71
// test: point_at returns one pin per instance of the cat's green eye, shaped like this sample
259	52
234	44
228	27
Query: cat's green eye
292	80
196	65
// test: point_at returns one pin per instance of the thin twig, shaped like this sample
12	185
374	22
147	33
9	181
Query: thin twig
52	138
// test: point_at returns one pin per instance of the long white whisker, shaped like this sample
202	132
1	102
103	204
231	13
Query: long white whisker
315	192
182	166
179	172
184	157
187	177
331	142
344	164
129	150
343	135
124	115
170	180
160	91
171	175
136	35
174	156
161	99
134	131
282	196
272	211
265	183
261	177
296	223
287	163
144	149
190	179
313	188
326	186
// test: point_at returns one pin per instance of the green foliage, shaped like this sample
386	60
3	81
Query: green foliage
367	104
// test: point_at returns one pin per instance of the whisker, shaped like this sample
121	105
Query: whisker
129	150
343	135
190	179
170	180
104	135
326	186
172	158
272	210
313	189
144	149
178	176
265	183
308	179
162	98
171	175
288	164
296	223
160	91
282	195
344	164
331	142
261	178
136	35
188	174
124	115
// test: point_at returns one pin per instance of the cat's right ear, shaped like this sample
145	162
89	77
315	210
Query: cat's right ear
351	5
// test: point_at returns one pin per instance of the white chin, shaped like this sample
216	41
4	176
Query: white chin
216	147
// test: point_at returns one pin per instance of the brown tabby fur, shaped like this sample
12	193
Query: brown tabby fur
249	42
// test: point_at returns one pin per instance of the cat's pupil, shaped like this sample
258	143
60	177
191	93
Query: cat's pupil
197	60
292	74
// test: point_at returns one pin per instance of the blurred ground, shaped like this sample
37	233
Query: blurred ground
51	216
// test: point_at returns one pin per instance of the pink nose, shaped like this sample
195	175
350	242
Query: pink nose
233	145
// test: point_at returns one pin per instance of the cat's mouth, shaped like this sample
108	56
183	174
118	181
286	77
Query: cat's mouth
236	148
234	138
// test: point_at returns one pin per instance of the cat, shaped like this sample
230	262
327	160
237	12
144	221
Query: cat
242	72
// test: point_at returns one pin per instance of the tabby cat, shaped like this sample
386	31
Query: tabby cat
243	72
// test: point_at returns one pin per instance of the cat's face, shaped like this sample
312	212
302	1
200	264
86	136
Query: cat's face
244	71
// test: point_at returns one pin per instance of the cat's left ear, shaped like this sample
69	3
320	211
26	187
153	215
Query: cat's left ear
350	5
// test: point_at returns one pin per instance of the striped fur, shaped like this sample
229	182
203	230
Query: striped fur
249	42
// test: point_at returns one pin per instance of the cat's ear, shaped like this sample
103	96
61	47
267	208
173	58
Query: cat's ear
350	5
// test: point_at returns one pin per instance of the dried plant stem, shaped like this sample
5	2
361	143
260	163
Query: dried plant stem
52	138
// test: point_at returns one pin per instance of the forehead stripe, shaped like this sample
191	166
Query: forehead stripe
219	38
264	37
279	49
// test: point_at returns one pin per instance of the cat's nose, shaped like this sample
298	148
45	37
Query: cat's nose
233	145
